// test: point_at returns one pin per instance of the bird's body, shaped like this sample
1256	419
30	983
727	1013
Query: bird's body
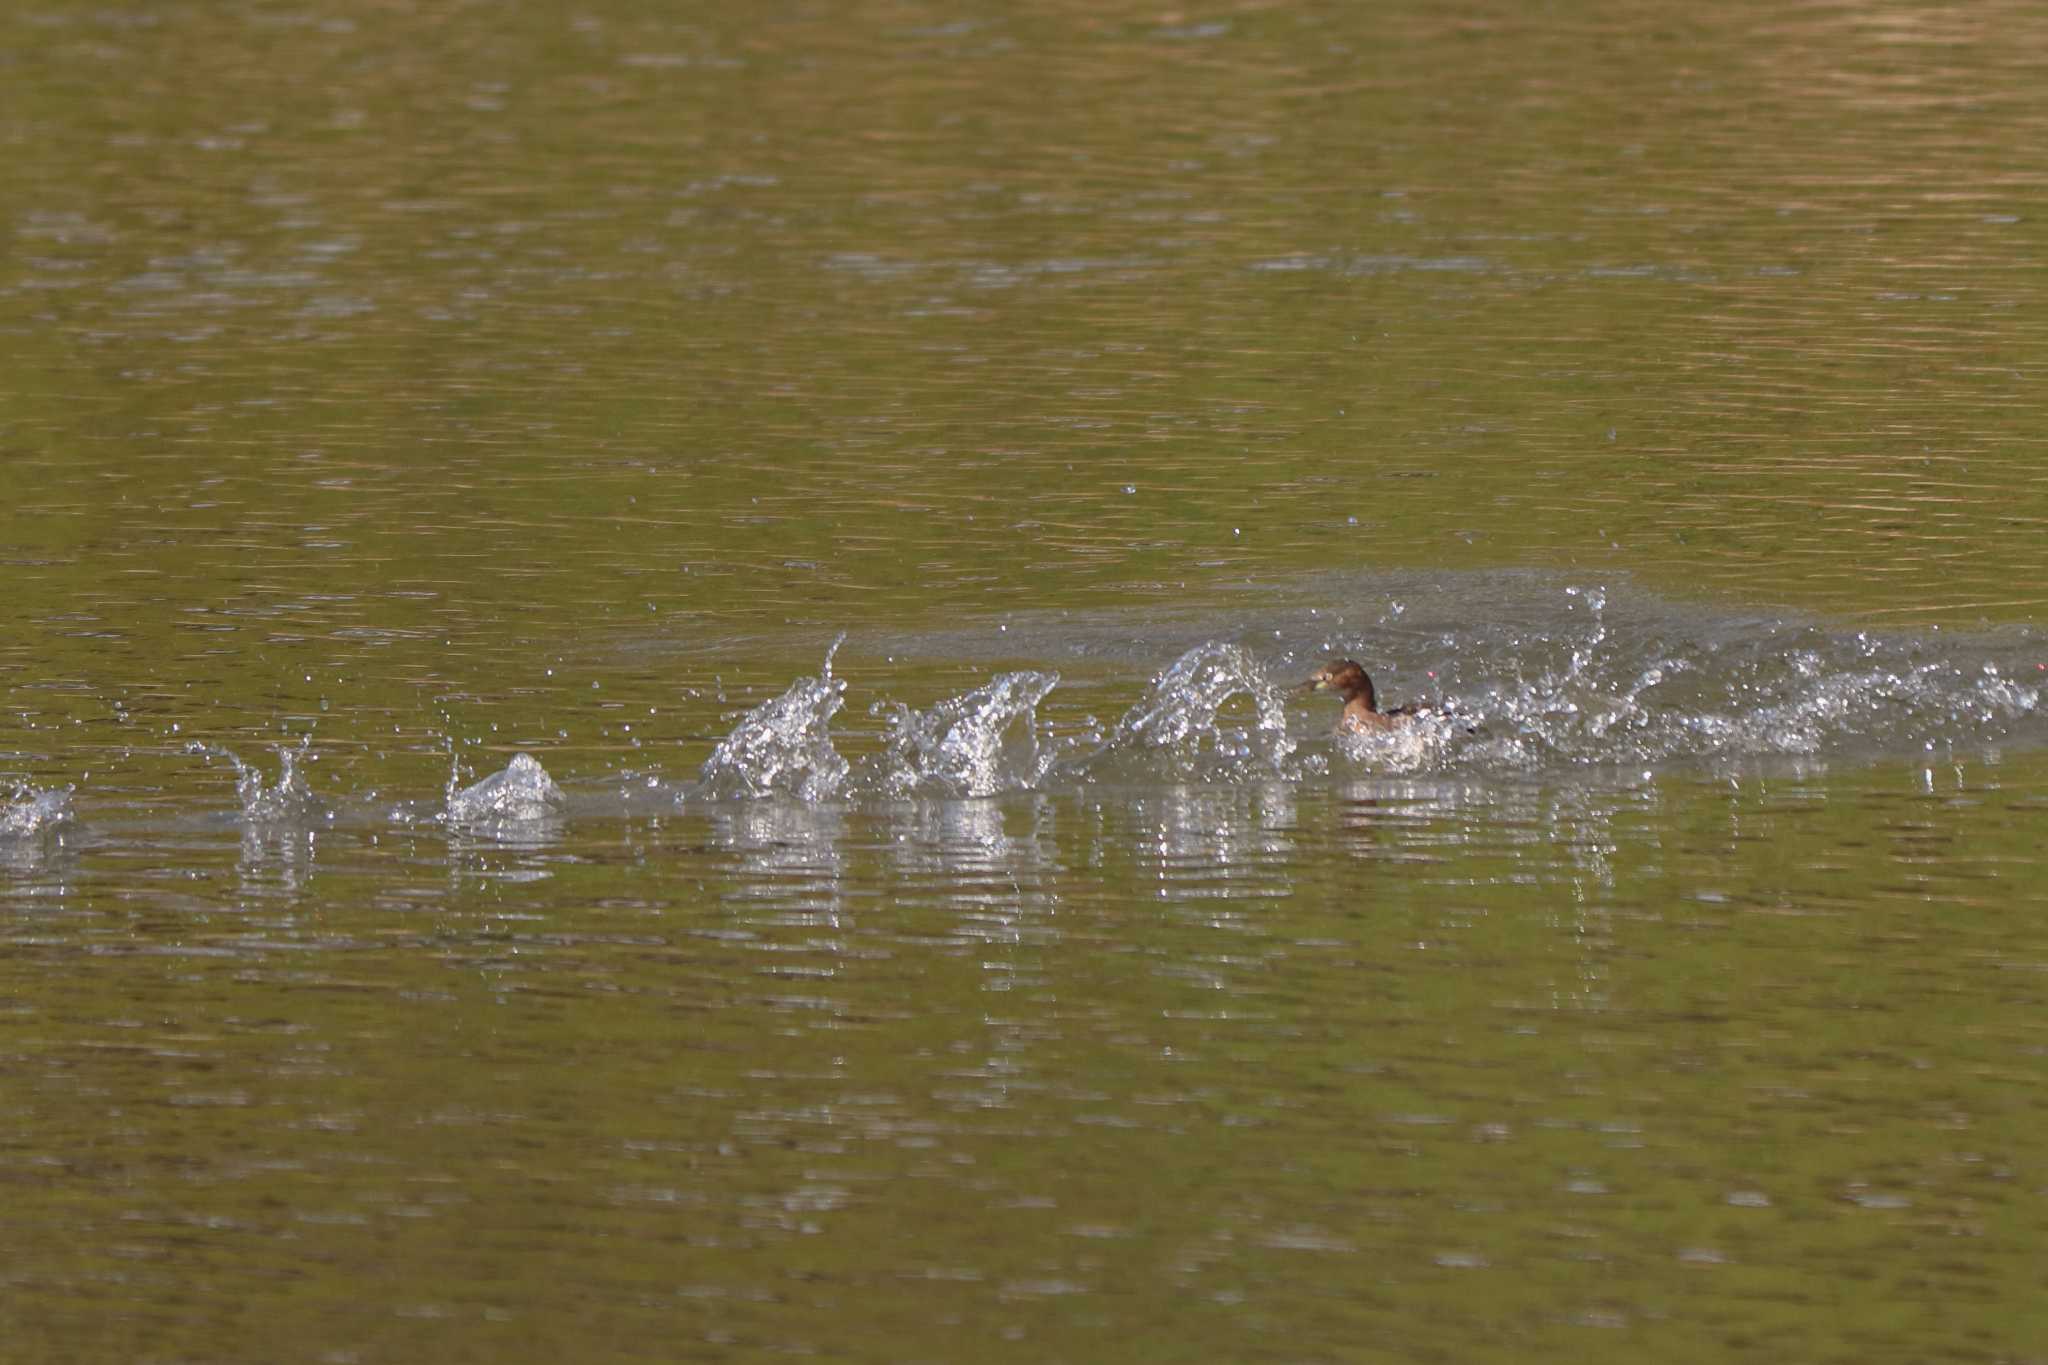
1361	714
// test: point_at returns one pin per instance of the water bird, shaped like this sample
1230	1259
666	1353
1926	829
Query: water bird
1361	714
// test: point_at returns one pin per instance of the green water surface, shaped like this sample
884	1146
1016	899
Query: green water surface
566	377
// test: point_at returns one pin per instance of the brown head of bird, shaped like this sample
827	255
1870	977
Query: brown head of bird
1361	712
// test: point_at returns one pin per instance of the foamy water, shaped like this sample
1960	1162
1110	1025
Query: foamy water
32	812
1554	682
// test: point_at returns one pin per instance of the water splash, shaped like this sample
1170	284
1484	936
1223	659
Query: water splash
1181	714
784	745
1657	691
976	744
33	812
1536	678
520	792
1422	744
288	800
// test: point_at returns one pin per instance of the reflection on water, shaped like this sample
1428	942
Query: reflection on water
275	863
785	858
1265	1042
963	856
1223	844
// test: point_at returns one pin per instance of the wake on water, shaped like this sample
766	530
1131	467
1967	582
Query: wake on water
1571	692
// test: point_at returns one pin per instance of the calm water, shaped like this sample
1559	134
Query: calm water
385	394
